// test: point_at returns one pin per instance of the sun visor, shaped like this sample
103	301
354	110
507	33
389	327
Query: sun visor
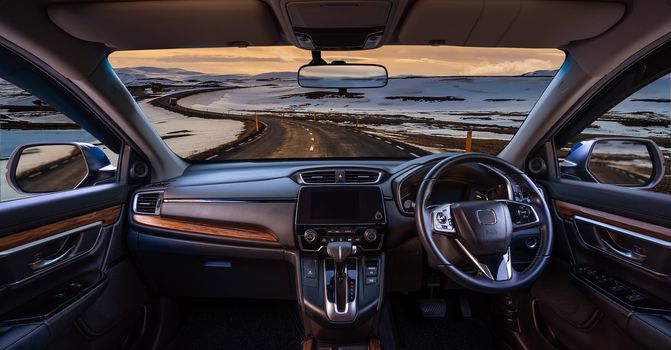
168	24
492	23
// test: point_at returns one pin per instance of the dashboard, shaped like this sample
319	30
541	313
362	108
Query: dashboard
228	222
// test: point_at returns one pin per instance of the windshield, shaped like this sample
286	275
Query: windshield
245	103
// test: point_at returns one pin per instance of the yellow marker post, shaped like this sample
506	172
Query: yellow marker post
314	117
357	122
469	140
257	122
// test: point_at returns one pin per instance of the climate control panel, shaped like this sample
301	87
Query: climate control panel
313	238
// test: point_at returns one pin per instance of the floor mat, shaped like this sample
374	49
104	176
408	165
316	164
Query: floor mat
412	331
241	324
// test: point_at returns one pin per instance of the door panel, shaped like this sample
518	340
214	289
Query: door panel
56	279
619	265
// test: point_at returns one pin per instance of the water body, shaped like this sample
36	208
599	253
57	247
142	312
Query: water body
10	139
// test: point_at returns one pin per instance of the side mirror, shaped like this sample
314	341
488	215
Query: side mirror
52	167
628	162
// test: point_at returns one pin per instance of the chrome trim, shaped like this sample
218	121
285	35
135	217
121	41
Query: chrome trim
51	238
350	307
225	200
157	210
624	231
483	268
302	181
448	227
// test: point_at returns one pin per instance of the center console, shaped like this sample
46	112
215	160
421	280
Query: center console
340	230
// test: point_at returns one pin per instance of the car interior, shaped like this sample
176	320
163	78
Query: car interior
559	239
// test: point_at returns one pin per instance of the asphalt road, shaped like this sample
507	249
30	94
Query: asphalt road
285	137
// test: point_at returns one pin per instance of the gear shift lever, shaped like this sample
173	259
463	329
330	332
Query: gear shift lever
340	251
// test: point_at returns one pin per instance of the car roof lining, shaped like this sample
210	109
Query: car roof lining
170	24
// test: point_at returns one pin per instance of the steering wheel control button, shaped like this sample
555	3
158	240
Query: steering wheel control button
522	214
379	216
371	280
442	219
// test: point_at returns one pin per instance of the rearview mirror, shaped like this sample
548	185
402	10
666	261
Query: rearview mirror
52	167
628	162
342	76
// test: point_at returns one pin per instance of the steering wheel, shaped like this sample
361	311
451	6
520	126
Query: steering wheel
483	229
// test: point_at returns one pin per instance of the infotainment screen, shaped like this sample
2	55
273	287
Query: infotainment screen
330	205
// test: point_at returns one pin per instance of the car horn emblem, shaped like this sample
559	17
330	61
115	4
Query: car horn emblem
486	216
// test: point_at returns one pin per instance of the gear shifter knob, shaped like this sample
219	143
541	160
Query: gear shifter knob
340	251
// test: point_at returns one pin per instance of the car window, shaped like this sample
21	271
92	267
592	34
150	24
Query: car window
26	119
222	104
596	156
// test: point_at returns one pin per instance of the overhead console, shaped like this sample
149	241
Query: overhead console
340	25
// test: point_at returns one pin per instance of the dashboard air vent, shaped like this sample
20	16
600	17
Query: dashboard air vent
361	176
147	203
319	177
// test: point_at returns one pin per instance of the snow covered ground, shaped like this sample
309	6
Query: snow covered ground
188	136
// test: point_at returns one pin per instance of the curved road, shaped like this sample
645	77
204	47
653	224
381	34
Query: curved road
295	138
285	137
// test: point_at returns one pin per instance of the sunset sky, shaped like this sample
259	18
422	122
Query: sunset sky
399	60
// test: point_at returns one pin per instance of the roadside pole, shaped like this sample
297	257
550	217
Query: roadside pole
256	116
469	140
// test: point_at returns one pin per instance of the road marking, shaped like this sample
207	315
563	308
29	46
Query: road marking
378	138
416	156
387	142
312	147
312	139
53	166
212	157
229	149
310	134
401	148
34	174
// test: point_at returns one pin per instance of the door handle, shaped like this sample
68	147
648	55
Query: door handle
622	252
42	263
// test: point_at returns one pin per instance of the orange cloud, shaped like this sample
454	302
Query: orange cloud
399	60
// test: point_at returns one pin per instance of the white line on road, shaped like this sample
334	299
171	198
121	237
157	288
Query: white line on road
401	148
312	147
212	157
414	155
387	142
312	139
378	138
229	149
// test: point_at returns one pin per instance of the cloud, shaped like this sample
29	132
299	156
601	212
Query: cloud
399	60
509	67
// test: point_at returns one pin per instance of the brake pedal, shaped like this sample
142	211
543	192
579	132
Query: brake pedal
465	306
433	307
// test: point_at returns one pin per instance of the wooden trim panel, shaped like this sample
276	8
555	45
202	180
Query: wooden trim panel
569	210
204	229
108	216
